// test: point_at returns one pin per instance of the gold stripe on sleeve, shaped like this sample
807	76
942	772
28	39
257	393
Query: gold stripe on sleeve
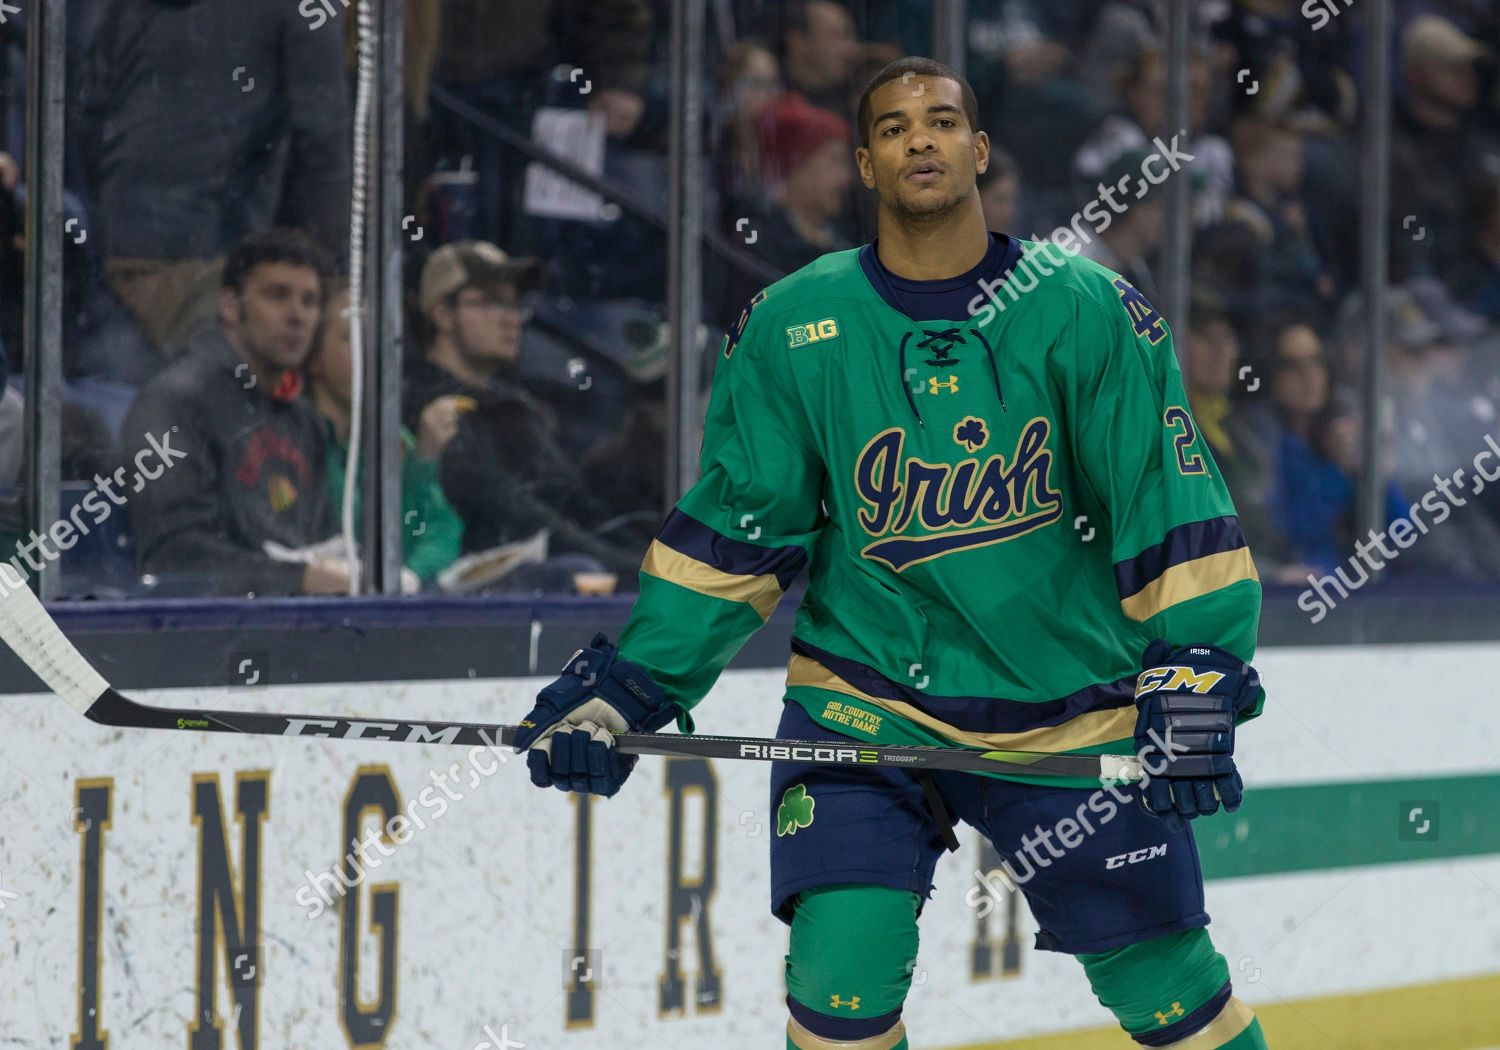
759	592
1191	579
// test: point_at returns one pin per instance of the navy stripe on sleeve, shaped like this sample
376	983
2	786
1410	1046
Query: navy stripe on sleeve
1185	543
687	535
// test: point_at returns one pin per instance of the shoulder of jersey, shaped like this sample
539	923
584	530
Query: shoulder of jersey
1098	290
1068	269
827	275
786	304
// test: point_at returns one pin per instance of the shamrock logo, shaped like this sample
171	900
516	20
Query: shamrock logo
971	433
795	811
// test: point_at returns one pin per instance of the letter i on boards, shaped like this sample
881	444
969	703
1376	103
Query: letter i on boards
93	810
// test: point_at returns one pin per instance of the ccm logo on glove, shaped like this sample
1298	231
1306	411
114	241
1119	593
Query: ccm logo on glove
1177	679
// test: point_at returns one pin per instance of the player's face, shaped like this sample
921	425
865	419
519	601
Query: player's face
276	315
923	157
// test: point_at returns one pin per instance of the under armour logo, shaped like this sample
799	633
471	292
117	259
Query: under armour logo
934	384
835	1001
1163	1018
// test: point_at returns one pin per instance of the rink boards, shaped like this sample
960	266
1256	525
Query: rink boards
158	889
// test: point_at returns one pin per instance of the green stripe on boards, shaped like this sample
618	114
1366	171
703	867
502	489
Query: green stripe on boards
1314	827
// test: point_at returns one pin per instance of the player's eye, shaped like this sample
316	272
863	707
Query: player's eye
890	128
945	122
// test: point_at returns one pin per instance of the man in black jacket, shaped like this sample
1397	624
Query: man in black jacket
203	121
503	469
253	467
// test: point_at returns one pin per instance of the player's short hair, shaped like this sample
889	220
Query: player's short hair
276	245
916	66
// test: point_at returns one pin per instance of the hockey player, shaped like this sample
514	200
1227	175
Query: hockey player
980	450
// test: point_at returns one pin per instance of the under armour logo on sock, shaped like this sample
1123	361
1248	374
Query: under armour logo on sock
1163	1018
852	1002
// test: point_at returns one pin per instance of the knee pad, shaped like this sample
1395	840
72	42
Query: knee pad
1165	990
849	967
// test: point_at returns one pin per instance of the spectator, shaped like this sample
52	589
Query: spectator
1128	243
1438	154
1241	454
421	26
1022	68
1000	193
203	122
499	51
749	80
431	531
99	338
1476	272
253	461
1409	332
502	468
1431	400
623	468
1110	34
1267	222
1301	384
807	153
819	51
509	58
1143	118
1312	498
1297	56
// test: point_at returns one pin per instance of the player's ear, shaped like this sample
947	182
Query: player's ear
981	153
866	171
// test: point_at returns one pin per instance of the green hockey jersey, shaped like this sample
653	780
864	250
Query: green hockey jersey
997	513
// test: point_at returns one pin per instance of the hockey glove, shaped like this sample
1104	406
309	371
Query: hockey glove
1187	701
568	736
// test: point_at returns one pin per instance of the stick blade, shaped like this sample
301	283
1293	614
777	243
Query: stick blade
34	636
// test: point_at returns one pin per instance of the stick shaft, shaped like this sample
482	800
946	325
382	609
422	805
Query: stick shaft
114	709
35	637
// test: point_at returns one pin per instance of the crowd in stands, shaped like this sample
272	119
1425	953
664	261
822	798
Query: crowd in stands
208	161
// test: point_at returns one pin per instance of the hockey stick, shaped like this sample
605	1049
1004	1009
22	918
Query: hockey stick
34	636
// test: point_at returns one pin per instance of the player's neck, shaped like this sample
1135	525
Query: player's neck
932	251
